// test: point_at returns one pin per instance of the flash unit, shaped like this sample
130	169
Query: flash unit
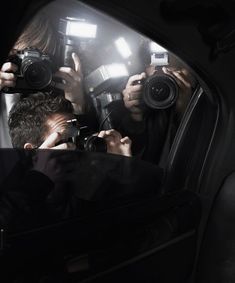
77	28
123	48
159	55
75	36
102	79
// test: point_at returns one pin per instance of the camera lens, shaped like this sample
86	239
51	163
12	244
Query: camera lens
94	143
37	74
160	91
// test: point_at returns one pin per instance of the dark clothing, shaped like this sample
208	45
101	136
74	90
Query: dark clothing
150	135
30	198
31	201
22	197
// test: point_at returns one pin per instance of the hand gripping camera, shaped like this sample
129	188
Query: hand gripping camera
34	72
83	138
160	91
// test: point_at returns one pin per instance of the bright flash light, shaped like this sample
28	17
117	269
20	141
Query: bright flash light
117	70
156	48
103	77
122	47
81	29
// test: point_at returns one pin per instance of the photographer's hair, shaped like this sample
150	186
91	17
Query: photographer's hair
28	117
39	33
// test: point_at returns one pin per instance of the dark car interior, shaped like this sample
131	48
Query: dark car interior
165	217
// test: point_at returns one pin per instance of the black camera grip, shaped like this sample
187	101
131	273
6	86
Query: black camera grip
68	60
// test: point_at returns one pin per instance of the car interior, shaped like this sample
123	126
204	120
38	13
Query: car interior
165	214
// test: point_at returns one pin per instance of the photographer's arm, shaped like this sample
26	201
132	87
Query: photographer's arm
133	122
185	82
7	100
7	76
131	96
73	84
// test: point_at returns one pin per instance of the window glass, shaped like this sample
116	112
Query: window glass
107	100
115	78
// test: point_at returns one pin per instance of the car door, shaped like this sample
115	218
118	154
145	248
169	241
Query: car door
152	232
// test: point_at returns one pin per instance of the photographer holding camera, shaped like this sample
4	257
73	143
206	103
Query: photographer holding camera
42	121
32	66
156	100
46	121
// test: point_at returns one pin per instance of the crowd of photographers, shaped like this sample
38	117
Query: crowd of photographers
35	64
43	105
30	72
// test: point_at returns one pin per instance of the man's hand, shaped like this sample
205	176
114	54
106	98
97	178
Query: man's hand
72	84
182	77
7	76
131	96
52	141
115	143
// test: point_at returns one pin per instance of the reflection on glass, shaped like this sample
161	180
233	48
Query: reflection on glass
71	52
91	109
61	69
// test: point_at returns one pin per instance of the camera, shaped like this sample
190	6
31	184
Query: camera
92	143
35	70
83	138
160	91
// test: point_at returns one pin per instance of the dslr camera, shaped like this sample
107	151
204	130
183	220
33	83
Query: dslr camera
83	138
160	91
35	70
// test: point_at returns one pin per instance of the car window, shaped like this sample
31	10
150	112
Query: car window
128	82
113	105
106	143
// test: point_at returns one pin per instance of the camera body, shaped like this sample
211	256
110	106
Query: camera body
84	138
35	70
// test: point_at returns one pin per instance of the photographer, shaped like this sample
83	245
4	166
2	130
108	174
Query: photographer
155	127
40	37
56	184
41	120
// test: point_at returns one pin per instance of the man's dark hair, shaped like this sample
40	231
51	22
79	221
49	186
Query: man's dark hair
27	118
